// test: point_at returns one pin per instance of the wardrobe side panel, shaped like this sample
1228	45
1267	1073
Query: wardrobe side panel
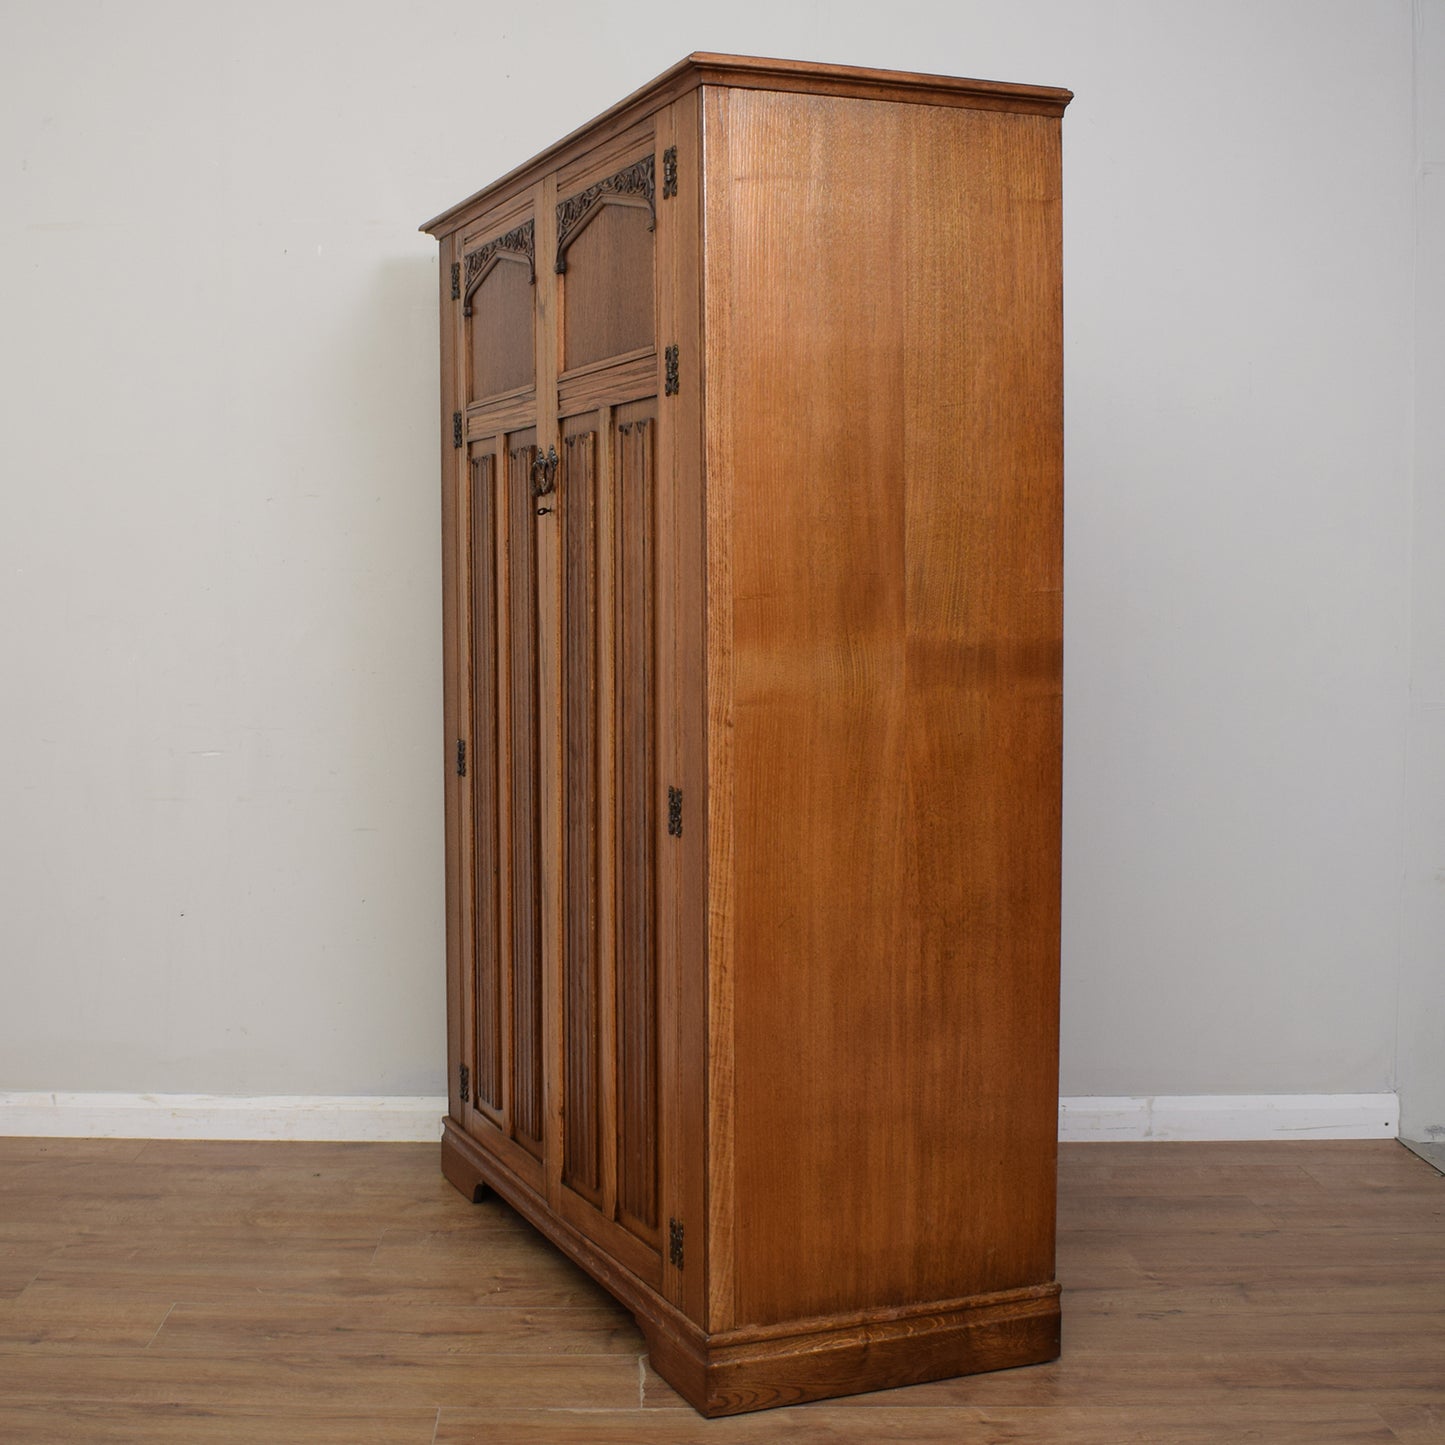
885	640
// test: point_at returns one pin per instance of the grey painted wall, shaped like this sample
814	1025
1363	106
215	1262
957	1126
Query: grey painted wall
1422	984
220	858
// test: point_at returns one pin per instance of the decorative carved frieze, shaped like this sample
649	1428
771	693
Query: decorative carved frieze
631	182
518	242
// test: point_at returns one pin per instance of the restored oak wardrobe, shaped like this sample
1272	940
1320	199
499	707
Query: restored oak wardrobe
752	502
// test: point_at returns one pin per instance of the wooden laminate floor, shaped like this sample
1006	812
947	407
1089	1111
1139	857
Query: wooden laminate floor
344	1293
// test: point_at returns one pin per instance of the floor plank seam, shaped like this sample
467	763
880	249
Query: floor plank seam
162	1324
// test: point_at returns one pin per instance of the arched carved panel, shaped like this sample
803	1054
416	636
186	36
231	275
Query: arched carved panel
606	250
632	185
516	245
498	304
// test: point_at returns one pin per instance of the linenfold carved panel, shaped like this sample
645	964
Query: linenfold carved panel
526	811
637	1119
582	994
482	652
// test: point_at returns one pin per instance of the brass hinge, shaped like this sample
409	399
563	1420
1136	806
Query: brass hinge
464	1077
674	812
669	172
461	757
670	384
674	1243
456	280
457	431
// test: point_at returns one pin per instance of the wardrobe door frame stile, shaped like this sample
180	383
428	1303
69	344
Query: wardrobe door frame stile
452	472
489	429
680	604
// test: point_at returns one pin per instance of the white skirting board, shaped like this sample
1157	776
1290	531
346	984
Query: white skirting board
365	1117
362	1117
1230	1116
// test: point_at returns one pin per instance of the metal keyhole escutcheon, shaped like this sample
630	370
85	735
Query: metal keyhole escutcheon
544	476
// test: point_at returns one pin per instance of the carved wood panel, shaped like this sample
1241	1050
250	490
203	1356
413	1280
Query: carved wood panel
637	1134
632	185
581	1008
482	771
526	859
497	287
605	253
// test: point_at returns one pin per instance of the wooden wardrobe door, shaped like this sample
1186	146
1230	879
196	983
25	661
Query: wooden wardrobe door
609	1015
502	1037
637	824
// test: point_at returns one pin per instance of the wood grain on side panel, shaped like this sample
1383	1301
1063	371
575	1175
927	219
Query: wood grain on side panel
894	515
717	487
983	545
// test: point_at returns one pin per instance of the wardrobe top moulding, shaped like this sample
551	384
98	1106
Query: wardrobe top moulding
744	72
